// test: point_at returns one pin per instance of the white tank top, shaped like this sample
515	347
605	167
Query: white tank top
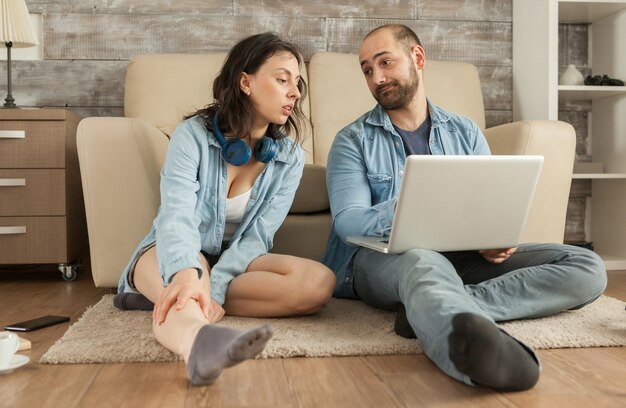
235	210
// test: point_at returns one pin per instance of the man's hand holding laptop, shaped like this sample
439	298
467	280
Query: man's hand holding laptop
497	256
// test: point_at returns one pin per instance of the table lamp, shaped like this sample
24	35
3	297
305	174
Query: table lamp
16	31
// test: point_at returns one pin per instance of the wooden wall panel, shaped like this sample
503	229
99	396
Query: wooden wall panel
575	222
580	188
576	211
580	121
562	44
497	86
575	45
477	10
122	36
105	111
118	30
68	83
131	6
337	8
497	117
580	106
480	43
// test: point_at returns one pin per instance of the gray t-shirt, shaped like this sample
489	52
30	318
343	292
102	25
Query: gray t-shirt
416	141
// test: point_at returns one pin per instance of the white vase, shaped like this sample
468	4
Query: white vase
571	76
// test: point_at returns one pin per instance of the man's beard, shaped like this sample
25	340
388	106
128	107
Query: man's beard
399	97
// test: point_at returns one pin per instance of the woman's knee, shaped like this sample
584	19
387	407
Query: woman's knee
315	286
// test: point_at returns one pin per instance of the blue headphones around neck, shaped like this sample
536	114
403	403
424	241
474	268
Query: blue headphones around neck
237	152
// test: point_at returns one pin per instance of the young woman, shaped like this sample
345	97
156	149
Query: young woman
227	183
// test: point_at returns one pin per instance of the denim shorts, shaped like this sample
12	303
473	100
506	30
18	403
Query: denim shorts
212	259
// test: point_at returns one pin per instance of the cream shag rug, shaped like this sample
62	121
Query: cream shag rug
343	328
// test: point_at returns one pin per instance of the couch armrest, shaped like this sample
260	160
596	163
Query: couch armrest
556	142
312	195
120	160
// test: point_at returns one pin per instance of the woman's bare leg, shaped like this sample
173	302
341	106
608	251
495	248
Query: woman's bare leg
207	349
180	328
280	285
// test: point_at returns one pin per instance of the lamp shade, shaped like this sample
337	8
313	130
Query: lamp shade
15	25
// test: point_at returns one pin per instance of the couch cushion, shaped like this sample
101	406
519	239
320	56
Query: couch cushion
312	195
303	235
456	87
339	94
162	88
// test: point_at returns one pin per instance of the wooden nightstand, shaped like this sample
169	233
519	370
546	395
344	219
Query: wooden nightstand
42	216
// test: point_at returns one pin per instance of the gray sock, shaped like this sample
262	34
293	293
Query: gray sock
132	301
217	347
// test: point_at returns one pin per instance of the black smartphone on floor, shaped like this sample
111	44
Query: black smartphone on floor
38	323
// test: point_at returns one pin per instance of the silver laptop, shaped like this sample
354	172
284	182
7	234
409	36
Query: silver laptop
455	203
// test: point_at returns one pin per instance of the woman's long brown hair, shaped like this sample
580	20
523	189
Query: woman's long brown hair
236	112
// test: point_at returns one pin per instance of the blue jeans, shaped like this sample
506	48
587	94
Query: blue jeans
537	280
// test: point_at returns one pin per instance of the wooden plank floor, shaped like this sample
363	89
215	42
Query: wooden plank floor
571	377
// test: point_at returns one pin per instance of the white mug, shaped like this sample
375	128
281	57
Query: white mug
9	343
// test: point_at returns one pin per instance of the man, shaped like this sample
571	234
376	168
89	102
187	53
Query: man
449	301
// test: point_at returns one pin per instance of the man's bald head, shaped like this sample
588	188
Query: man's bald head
401	33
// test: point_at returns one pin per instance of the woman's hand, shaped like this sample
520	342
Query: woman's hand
497	256
186	286
215	312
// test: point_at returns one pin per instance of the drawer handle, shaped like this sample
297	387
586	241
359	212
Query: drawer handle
12	134
20	229
12	182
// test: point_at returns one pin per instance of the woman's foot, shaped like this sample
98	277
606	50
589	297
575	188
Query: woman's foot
216	348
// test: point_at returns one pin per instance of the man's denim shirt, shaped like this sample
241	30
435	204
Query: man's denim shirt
192	214
363	176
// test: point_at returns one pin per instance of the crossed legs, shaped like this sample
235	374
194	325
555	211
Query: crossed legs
452	320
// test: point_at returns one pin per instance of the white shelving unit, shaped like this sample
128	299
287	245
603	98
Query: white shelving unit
599	176
536	95
585	92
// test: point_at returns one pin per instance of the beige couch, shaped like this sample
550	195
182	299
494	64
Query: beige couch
120	158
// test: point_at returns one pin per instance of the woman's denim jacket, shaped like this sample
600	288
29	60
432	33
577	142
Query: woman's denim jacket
192	214
363	176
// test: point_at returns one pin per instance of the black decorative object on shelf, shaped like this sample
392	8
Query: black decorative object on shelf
611	81
603	80
593	80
